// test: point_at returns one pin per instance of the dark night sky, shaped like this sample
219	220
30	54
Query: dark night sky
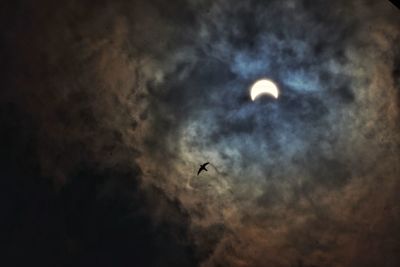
107	108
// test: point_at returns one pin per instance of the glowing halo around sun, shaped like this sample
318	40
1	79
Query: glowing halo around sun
263	86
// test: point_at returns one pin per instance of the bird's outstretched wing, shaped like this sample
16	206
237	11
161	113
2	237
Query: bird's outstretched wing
203	167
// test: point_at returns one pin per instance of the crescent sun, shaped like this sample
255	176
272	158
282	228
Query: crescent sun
263	86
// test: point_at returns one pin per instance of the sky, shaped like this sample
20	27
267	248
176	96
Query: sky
108	108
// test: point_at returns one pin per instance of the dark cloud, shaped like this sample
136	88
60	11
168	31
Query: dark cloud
100	216
109	107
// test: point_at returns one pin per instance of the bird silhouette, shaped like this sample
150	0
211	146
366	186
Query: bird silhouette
203	167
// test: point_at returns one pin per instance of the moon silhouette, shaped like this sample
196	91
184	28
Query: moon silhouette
263	86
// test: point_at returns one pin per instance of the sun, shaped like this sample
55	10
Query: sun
264	86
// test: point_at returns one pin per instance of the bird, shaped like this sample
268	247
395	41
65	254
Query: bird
203	167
